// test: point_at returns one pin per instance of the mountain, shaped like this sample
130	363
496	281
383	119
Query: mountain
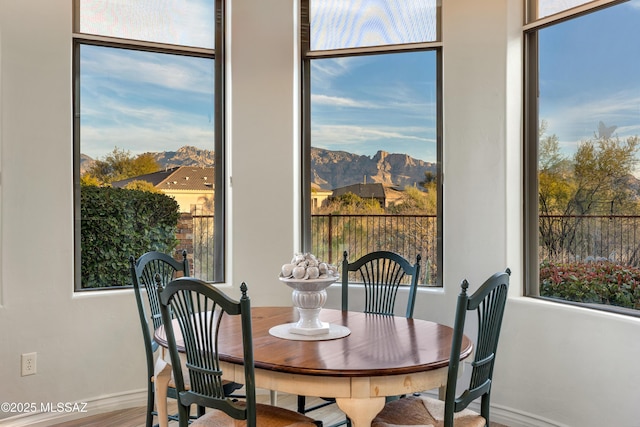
85	163
185	156
329	169
334	169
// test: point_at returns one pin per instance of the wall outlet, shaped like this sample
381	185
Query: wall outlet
28	363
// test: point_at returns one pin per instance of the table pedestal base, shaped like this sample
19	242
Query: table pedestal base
361	412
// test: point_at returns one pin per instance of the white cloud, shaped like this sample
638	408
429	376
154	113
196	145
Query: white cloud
328	135
337	101
579	120
96	141
133	68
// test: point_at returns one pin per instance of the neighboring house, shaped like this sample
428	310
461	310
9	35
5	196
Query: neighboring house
191	186
319	196
386	195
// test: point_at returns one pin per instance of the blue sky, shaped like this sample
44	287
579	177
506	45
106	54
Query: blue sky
154	102
590	72
378	102
141	101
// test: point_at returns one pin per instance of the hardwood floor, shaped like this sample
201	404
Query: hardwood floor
135	417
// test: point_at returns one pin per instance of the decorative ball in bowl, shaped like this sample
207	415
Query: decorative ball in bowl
309	278
308	284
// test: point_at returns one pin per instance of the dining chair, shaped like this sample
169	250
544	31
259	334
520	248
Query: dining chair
488	302
144	272
198	309
382	274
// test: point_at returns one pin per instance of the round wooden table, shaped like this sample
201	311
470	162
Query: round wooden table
382	356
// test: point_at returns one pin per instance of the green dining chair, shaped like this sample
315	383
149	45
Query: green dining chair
198	309
144	271
488	302
382	274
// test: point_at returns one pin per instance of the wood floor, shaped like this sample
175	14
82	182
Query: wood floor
135	417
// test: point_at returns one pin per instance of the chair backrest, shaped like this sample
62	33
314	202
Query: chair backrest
143	276
382	273
488	302
198	309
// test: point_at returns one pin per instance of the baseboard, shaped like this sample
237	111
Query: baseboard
509	416
514	418
94	406
132	399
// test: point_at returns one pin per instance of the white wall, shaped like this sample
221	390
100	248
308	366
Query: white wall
82	341
556	365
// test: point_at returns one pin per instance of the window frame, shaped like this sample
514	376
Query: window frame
217	54
531	118
306	56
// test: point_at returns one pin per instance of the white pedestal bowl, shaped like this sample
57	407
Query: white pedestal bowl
309	296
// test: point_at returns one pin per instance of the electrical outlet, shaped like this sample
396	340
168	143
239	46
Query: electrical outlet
28	363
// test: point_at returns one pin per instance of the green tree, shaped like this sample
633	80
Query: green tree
416	201
142	186
594	181
119	165
429	178
89	180
350	203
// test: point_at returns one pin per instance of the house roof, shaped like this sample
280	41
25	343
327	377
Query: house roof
191	178
366	191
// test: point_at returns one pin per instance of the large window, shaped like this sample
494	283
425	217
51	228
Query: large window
372	130
148	136
583	174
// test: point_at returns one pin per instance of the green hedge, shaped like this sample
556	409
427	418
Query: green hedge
117	223
601	282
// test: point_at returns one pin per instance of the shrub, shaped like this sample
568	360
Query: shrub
117	223
601	282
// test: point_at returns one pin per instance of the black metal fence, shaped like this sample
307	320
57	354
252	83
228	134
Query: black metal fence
203	247
582	238
562	239
408	235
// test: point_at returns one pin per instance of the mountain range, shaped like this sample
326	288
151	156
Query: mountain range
329	169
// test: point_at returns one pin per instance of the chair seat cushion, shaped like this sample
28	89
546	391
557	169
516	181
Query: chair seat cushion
268	416
424	412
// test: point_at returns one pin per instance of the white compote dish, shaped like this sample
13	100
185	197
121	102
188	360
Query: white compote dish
309	296
309	278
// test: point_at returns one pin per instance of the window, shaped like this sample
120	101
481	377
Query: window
583	174
551	7
372	130
148	136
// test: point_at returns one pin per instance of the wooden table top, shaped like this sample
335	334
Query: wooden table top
377	346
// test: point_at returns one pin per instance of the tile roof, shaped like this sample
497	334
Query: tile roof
366	191
191	178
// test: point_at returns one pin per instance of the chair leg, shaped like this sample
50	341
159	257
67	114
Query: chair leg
150	404
301	404
161	384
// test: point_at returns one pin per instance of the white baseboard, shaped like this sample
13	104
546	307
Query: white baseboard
508	416
89	407
136	398
94	406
